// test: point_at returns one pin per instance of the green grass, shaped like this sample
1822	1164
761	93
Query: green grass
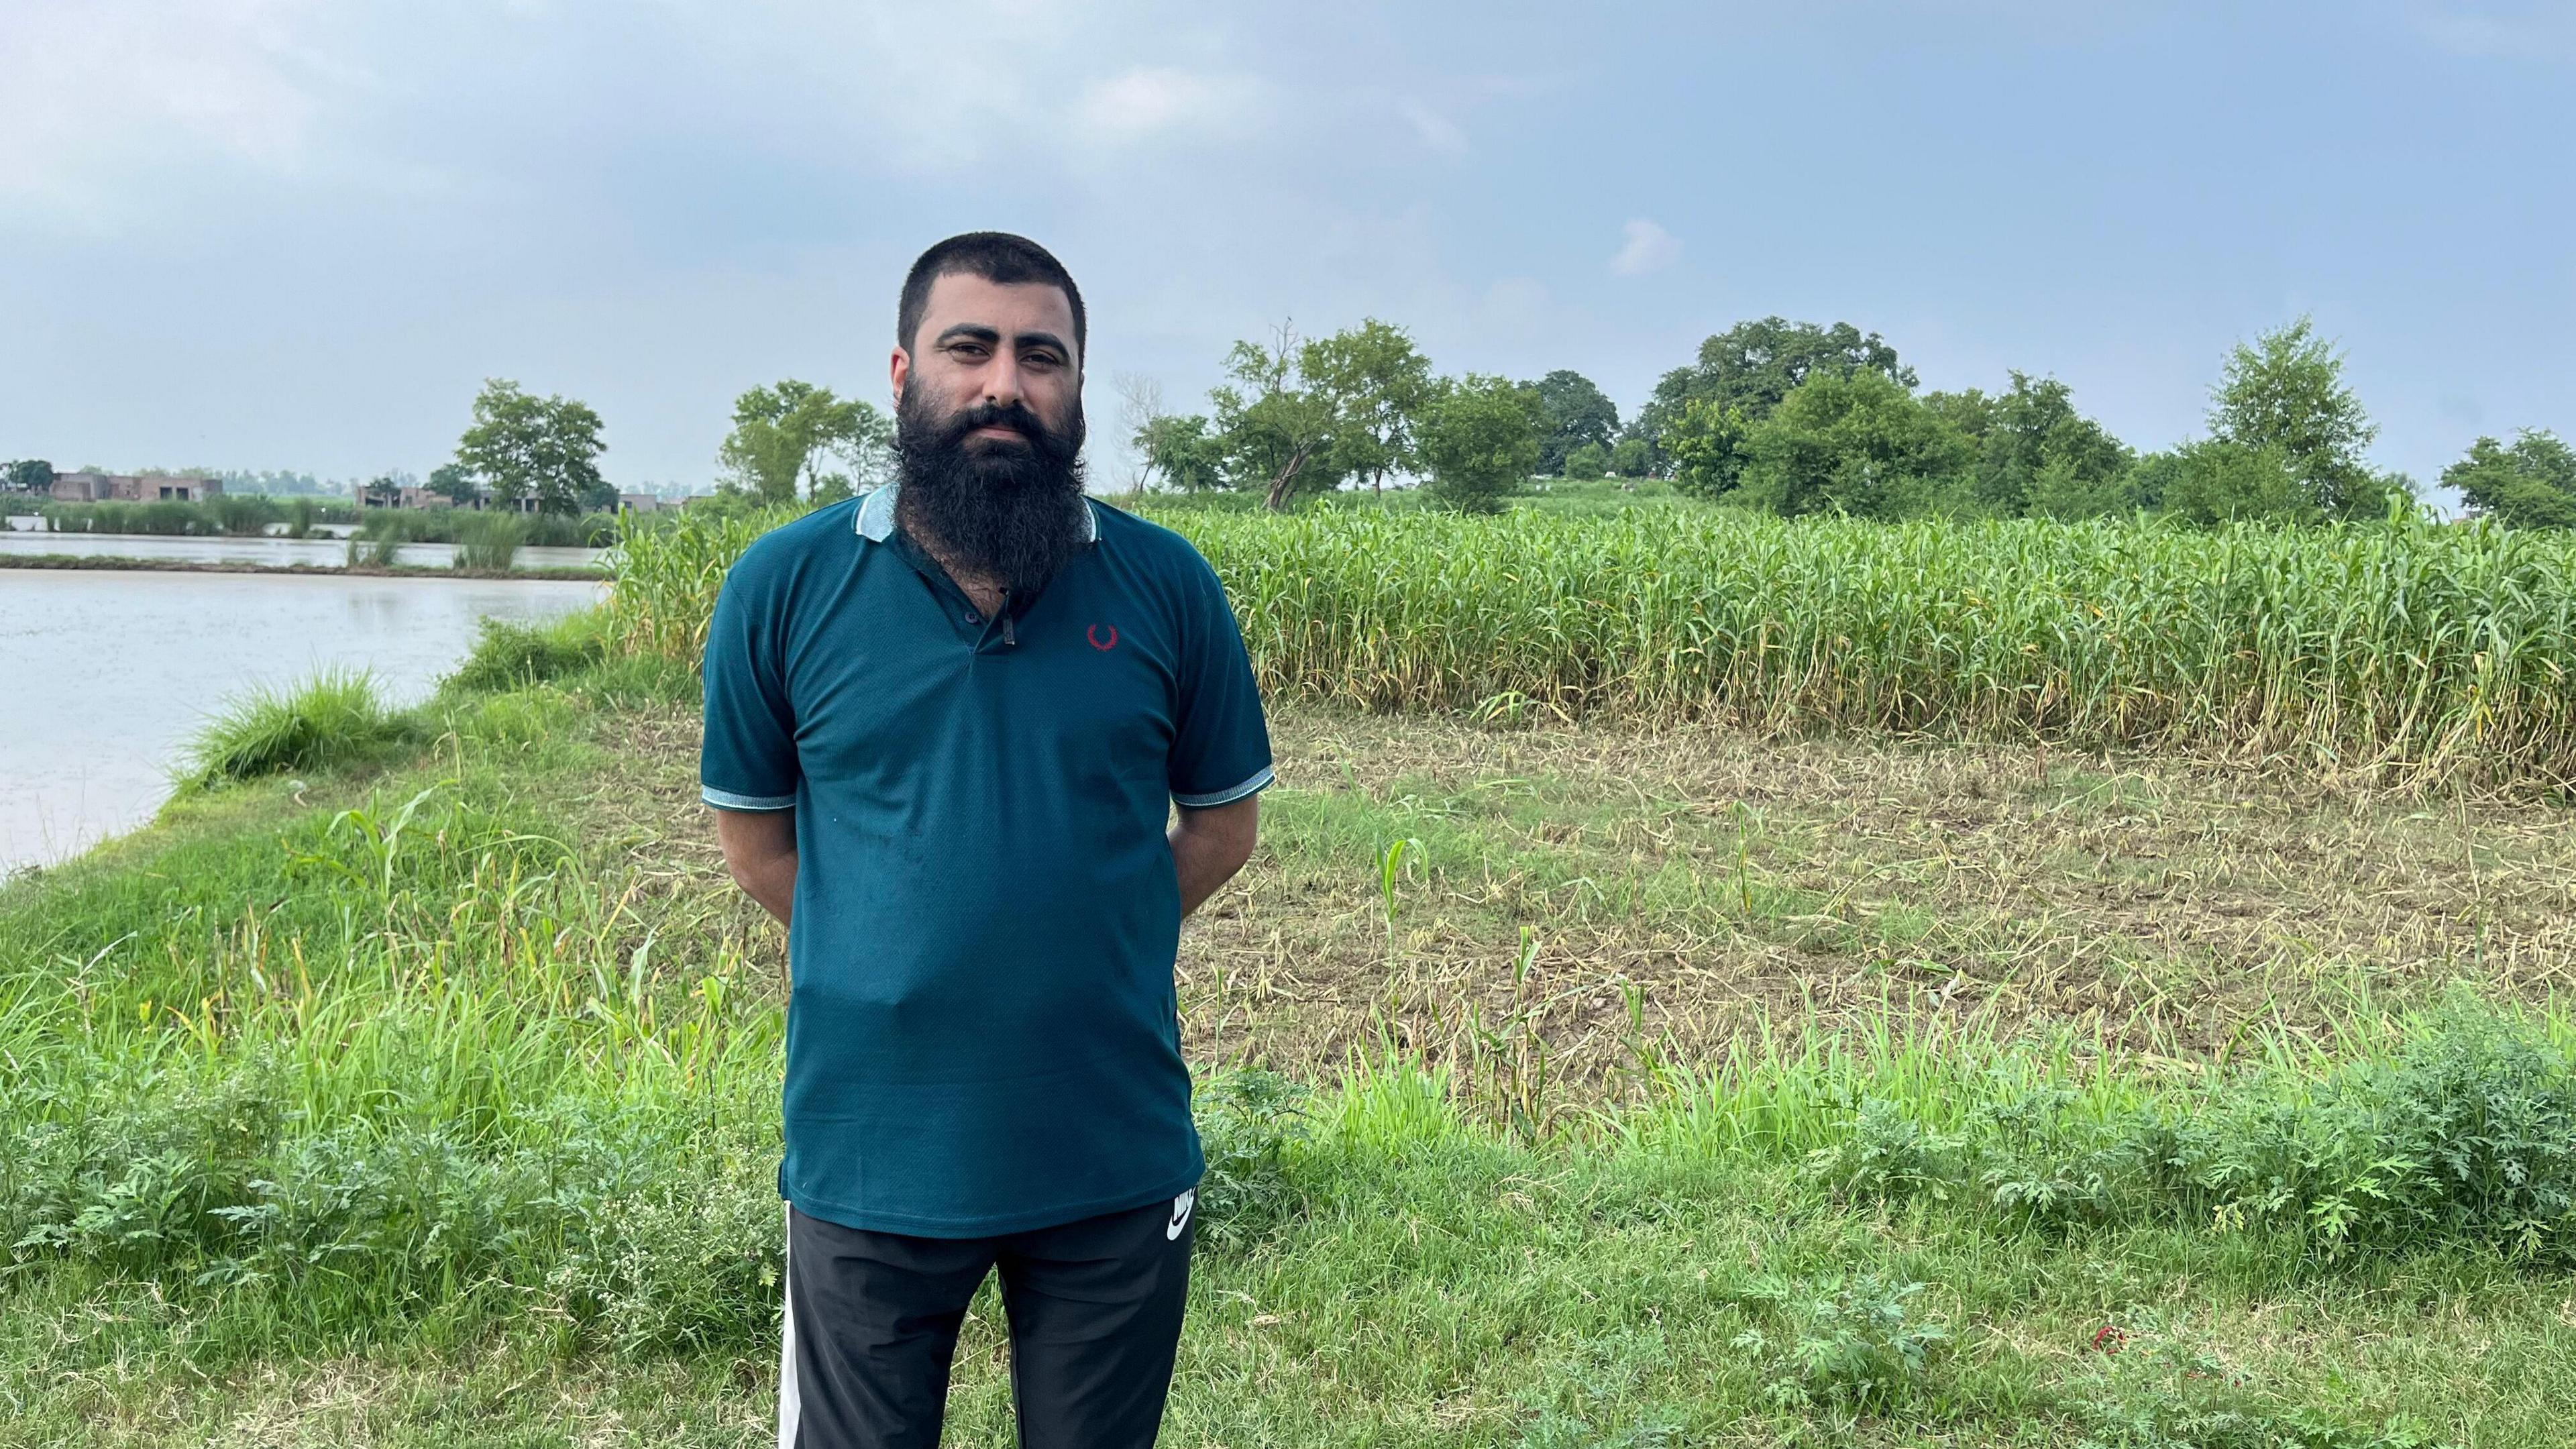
435	1103
1634	1082
336	720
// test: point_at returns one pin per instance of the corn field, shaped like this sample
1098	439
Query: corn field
2409	653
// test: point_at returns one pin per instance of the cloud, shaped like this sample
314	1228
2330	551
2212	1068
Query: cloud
1437	131
96	89
1649	248
1152	101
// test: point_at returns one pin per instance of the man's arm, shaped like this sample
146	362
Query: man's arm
760	850
1210	845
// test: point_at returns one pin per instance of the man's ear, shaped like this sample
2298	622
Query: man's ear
898	368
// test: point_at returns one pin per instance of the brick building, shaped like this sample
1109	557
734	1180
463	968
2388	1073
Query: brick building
129	488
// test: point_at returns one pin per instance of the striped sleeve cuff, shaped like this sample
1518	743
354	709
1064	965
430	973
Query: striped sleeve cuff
728	800
1225	797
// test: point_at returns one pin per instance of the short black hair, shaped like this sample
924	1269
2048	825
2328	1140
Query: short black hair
996	256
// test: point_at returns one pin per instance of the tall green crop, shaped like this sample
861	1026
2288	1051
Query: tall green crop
2414	652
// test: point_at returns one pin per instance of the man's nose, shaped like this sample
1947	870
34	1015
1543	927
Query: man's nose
1002	380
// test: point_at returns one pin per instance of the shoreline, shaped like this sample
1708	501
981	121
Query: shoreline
113	563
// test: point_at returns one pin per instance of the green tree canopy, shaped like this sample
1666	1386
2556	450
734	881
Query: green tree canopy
1183	451
784	435
1578	415
1376	382
2216	480
1480	439
28	475
2530	484
1856	441
2030	432
2284	392
1275	430
1588	460
1752	366
454	481
1632	458
526	447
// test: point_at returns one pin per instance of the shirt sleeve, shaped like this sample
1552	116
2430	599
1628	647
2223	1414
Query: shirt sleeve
1221	747
747	758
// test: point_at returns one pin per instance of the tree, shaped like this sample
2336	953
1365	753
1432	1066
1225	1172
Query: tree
1590	460
1857	442
1275	432
2032	430
2216	480
1183	451
1706	444
28	475
2531	484
1578	415
783	435
1140	406
2285	392
1632	458
1480	439
456	482
527	447
1753	365
1376	382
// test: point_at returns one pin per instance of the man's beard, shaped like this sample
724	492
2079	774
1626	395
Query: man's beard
1010	511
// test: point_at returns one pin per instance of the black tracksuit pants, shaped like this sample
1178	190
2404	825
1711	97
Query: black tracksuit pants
1094	1309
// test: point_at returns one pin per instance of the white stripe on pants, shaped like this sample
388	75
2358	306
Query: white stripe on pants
787	1397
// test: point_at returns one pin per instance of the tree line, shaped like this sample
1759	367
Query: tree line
1789	417
1796	418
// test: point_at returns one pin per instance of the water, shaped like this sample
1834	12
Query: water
103	675
311	552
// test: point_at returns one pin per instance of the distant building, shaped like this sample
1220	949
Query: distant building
129	488
638	502
406	495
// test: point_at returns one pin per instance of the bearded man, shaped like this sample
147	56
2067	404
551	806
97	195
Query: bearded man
947	724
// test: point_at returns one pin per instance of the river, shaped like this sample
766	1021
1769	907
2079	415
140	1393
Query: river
328	553
103	675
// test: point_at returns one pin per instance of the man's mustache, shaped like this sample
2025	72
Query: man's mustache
1017	416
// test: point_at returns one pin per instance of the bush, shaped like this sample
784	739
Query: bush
335	720
2465	1134
510	655
489	541
1855	1343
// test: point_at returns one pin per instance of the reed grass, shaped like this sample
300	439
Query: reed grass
2414	653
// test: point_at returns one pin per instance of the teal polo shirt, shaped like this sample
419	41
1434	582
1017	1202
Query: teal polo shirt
982	1031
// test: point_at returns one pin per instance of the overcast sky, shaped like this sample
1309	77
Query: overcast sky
288	234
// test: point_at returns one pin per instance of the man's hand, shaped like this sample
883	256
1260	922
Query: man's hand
760	850
1209	846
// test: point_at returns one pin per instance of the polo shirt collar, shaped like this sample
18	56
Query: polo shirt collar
876	516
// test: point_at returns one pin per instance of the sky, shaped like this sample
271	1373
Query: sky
288	234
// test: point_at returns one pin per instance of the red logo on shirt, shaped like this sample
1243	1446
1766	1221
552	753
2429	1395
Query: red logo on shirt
1098	641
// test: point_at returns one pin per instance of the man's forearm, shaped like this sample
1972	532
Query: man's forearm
772	882
1209	846
760	850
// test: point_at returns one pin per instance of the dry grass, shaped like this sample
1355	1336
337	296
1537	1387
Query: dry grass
1686	887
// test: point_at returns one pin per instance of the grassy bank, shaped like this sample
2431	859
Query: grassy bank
414	1079
2415	654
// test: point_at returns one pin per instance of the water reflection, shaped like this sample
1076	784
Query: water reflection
104	674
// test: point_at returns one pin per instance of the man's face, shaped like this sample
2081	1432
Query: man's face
983	343
988	430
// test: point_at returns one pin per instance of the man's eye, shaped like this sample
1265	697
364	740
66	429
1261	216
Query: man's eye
1044	359
965	349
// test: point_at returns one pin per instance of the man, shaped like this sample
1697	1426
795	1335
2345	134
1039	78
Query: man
946	724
